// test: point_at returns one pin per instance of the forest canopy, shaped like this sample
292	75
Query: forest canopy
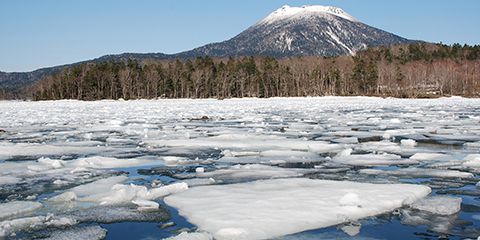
416	70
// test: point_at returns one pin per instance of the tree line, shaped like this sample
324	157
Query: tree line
416	70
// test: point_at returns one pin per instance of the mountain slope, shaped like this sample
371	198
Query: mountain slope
302	31
288	31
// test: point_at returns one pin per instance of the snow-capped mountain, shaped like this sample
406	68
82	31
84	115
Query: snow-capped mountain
301	31
288	31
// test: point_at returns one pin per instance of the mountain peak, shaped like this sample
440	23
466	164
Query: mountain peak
288	12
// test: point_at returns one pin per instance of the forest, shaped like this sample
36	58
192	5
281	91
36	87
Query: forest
417	70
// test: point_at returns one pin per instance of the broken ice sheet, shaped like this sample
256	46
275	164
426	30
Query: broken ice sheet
441	205
288	133
248	172
419	172
76	233
285	206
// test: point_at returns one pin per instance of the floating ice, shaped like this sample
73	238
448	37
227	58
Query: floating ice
419	172
109	191
430	156
253	171
33	223
10	150
371	159
5	180
16	208
249	141
78	233
192	236
272	208
108	214
441	205
109	162
472	161
408	143
351	229
53	146
436	223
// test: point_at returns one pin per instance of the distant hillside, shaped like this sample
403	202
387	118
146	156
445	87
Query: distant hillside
415	70
287	32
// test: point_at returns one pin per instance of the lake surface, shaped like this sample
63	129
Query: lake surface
241	169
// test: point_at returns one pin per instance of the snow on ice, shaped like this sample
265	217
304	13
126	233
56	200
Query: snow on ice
306	163
272	208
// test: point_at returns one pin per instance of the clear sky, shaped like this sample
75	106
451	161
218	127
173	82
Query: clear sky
43	33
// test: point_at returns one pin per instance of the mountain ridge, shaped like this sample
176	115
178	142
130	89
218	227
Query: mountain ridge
287	32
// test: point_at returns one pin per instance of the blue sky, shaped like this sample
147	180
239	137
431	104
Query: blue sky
44	33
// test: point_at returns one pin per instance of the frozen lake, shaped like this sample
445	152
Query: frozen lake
280	168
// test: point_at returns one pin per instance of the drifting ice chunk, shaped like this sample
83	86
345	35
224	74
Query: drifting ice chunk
371	159
408	143
434	222
351	229
472	161
5	180
15	208
145	204
79	233
9	150
64	197
109	191
474	145
192	236
253	171
249	141
118	214
33	223
285	206
109	162
441	205
87	191
419	172
429	156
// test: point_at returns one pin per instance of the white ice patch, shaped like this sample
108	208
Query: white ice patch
9	150
419	172
408	143
9	227
430	157
252	142
472	161
15	208
110	191
5	180
253	171
441	205
109	162
273	208
371	159
79	233
192	236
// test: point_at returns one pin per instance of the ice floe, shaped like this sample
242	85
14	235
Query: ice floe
252	172
192	236
34	223
110	191
78	233
80	160
272	208
345	157
419	172
442	205
16	208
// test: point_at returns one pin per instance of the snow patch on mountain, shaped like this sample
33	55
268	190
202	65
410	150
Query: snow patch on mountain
287	12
